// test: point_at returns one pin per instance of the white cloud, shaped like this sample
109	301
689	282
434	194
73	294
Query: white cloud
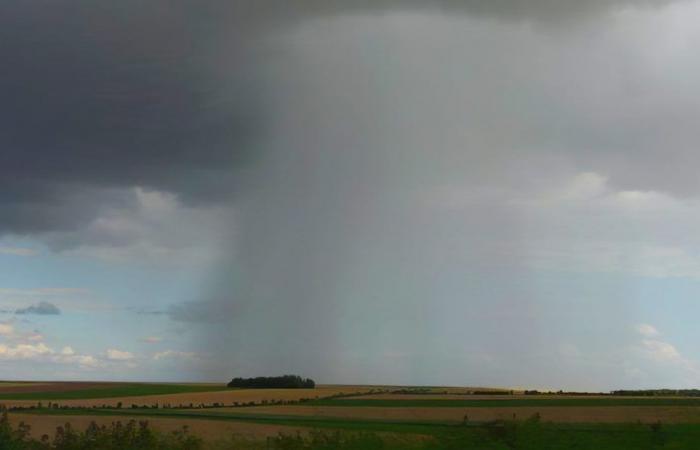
41	352
661	351
82	361
585	224
119	355
86	361
24	351
6	329
647	330
174	354
35	337
18	251
152	339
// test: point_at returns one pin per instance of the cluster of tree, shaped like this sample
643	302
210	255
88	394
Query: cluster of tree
659	392
118	436
484	392
573	393
283	382
533	392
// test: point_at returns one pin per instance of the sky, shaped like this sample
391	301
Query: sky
427	192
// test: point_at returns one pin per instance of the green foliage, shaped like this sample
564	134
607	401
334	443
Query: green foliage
117	436
320	440
530	434
282	382
659	392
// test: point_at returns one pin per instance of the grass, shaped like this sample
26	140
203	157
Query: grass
515	402
116	390
208	414
530	434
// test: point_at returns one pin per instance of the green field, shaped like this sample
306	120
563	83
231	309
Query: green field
515	402
117	390
529	434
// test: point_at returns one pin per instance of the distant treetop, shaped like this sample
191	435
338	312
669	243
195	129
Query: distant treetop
283	382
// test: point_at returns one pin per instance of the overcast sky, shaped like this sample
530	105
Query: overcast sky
498	193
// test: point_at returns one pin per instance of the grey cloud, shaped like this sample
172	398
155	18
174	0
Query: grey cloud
41	309
384	221
171	96
277	11
149	312
203	311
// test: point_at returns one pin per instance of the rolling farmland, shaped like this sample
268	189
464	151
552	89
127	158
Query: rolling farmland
399	418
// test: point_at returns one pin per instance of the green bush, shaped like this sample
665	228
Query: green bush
323	440
131	435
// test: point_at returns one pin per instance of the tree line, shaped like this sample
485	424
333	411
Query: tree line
659	392
282	382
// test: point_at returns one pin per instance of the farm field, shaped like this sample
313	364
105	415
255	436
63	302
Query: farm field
456	415
513	402
210	430
91	390
398	420
176	395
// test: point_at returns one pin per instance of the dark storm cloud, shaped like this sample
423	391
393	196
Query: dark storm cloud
41	309
98	97
538	10
163	95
